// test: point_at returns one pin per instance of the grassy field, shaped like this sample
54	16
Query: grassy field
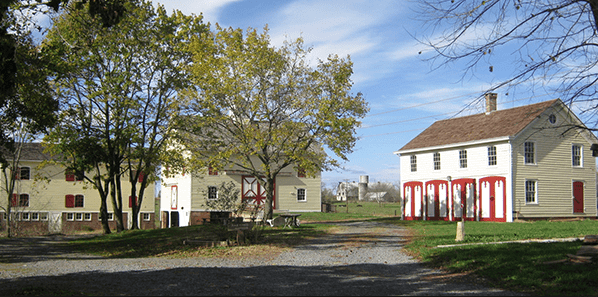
522	267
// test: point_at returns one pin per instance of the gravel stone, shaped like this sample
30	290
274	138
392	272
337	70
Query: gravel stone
338	264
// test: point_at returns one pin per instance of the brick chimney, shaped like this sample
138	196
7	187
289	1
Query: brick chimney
490	102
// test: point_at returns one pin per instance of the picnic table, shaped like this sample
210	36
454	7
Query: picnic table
290	220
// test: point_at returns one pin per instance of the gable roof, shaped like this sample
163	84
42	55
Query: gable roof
500	123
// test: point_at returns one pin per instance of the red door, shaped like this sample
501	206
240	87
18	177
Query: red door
436	200
412	197
578	197
464	193
493	198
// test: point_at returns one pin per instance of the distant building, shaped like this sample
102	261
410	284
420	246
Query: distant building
363	191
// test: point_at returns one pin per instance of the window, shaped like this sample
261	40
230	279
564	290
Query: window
146	216
436	161
529	153
301	195
35	216
212	193
491	155
23	173
87	216
531	193
110	216
25	216
24	200
74	201
79	199
552	119
70	216
78	216
463	159
43	216
576	151
71	175
413	163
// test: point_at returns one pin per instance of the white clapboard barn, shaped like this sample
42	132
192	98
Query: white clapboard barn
184	196
529	162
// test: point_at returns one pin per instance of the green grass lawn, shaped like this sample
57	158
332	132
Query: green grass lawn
519	267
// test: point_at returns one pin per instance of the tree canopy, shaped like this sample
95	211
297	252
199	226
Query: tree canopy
551	45
261	109
118	86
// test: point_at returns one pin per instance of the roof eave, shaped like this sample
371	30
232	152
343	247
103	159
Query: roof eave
453	145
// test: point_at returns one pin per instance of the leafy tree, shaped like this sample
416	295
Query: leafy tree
27	107
548	43
119	92
262	109
17	51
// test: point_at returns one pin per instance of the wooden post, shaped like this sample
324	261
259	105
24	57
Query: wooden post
460	231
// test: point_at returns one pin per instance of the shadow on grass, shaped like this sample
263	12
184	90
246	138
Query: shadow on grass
523	267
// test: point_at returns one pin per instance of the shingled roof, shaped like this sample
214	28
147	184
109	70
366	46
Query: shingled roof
500	123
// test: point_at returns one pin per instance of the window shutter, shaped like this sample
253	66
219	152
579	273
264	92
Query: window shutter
14	202
69	175
18	173
141	176
131	201
69	201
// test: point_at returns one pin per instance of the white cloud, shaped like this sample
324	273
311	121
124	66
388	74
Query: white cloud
209	8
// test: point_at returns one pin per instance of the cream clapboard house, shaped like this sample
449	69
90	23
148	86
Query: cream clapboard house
48	199
528	162
184	196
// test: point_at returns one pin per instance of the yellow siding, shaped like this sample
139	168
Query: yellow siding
287	184
48	187
553	170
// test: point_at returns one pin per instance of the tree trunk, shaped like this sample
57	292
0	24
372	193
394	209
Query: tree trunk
269	205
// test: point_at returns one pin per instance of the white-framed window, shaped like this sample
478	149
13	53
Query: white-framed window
531	191
87	216
35	216
212	193
576	155
110	216
301	195
463	159
413	160
70	216
43	216
24	173
529	152
436	161
146	216
25	216
78	216
491	155
24	200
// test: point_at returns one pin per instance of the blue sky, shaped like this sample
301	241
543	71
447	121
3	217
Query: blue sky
404	92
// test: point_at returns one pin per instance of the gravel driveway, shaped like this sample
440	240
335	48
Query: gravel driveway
363	258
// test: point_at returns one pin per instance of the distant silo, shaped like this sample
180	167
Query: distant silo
363	186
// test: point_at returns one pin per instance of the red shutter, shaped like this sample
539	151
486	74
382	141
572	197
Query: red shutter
141	176
14	202
69	201
69	175
131	201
